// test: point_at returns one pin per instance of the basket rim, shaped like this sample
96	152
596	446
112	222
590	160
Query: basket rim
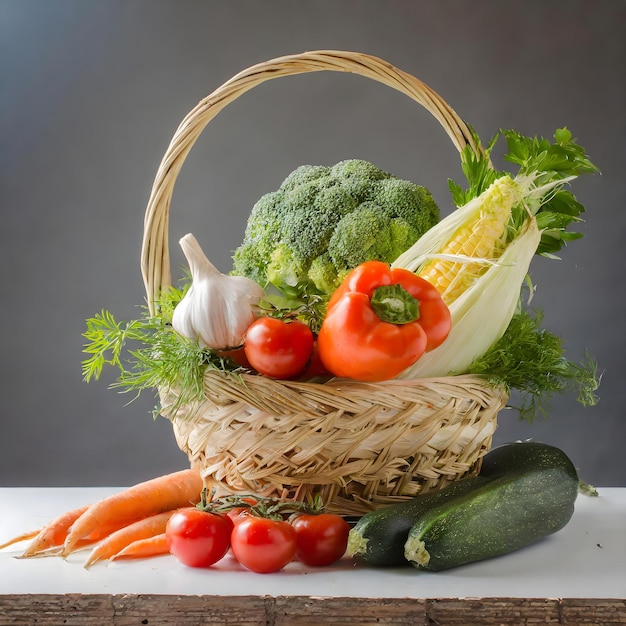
288	397
155	256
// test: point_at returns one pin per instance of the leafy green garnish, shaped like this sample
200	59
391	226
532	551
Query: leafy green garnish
302	303
547	162
562	158
530	359
160	359
478	169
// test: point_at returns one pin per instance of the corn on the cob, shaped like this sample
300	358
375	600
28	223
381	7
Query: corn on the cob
480	270
482	313
476	244
479	255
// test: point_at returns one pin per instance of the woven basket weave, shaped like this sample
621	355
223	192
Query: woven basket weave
358	445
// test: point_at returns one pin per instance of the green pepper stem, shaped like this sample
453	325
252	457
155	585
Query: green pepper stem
394	304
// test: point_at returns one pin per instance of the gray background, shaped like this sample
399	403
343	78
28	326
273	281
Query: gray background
91	93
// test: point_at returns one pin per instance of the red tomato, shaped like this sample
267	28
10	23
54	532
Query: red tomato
314	367
277	348
263	545
237	355
239	513
320	539
198	538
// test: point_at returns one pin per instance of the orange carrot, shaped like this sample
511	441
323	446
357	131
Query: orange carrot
144	548
120	539
19	538
54	533
100	533
154	496
104	530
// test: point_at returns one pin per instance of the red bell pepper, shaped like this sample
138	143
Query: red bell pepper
379	322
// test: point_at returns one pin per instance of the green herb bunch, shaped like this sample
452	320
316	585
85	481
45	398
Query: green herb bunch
530	359
150	354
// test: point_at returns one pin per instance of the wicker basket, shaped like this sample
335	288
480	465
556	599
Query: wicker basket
358	445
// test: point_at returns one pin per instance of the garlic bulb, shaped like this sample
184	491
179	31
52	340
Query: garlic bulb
217	309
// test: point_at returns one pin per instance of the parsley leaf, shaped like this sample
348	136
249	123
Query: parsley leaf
547	161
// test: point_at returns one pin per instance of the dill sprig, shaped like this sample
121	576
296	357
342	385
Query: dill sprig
531	360
149	354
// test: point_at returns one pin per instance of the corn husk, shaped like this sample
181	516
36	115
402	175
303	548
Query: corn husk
481	315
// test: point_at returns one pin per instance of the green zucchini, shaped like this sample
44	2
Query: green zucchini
379	536
531	495
522	455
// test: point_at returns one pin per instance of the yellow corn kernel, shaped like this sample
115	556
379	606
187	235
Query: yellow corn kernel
482	237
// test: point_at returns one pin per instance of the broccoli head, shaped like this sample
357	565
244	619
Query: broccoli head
323	221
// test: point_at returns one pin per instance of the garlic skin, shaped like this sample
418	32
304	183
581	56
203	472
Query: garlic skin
217	309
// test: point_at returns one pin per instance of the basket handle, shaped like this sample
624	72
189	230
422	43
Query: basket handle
155	260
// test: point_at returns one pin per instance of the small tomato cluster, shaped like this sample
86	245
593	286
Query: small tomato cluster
379	322
263	535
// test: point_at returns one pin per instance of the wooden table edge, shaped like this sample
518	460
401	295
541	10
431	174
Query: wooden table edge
161	609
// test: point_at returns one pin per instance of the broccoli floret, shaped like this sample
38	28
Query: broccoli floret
403	236
357	168
323	221
401	198
309	228
263	233
285	269
324	274
368	225
304	174
357	177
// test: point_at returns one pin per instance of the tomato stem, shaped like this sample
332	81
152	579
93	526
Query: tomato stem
205	502
271	508
394	304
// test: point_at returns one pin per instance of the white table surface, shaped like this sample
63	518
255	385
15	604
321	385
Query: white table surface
587	559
